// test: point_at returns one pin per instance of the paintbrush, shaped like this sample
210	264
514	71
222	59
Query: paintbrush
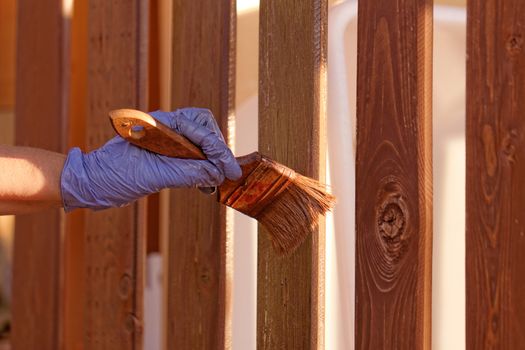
286	203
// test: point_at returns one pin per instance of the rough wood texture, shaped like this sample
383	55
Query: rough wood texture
292	67
199	281
115	242
40	106
394	175
495	175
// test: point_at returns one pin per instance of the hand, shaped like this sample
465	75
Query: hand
119	172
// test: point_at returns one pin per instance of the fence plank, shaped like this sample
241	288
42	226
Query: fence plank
7	58
41	101
115	241
292	67
495	173
200	242
74	239
394	175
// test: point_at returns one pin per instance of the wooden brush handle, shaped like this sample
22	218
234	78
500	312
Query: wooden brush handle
144	131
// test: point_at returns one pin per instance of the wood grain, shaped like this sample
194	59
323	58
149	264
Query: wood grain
115	241
495	172
292	105
41	112
394	175
200	241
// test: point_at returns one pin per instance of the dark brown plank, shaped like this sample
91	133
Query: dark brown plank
115	241
495	175
394	175
292	66
199	281
41	100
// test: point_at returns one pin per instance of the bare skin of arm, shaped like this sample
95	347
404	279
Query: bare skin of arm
29	179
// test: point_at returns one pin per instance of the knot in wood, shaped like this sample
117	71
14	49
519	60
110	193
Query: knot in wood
391	222
125	286
205	275
132	324
514	44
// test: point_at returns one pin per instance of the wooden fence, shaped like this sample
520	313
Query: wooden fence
79	278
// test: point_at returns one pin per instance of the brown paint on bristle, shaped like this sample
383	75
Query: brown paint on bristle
294	214
287	204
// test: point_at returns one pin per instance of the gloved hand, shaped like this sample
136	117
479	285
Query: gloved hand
119	172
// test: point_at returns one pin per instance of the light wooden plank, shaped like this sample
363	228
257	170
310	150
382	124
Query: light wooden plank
200	243
292	105
115	239
41	100
495	174
394	175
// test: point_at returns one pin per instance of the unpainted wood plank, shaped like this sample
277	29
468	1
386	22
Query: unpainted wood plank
495	175
292	106
115	238
394	175
200	241
41	112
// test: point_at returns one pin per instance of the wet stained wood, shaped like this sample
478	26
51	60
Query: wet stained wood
200	238
394	175
292	91
115	241
495	175
41	97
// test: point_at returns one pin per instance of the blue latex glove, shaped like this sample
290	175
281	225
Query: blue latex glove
119	173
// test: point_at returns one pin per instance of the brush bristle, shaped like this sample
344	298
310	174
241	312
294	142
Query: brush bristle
294	214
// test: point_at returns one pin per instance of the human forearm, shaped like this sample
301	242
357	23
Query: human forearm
115	174
29	179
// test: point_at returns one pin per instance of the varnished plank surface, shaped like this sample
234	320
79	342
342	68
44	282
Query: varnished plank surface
40	114
115	242
292	66
495	175
394	175
200	241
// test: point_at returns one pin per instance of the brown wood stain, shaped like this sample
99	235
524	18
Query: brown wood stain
200	237
394	175
115	238
495	174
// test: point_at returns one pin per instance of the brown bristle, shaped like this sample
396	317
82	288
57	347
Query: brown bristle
294	214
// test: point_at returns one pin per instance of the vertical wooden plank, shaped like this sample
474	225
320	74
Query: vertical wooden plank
394	175
495	174
165	22
74	238
292	99
153	235
41	102
7	56
115	241
200	243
